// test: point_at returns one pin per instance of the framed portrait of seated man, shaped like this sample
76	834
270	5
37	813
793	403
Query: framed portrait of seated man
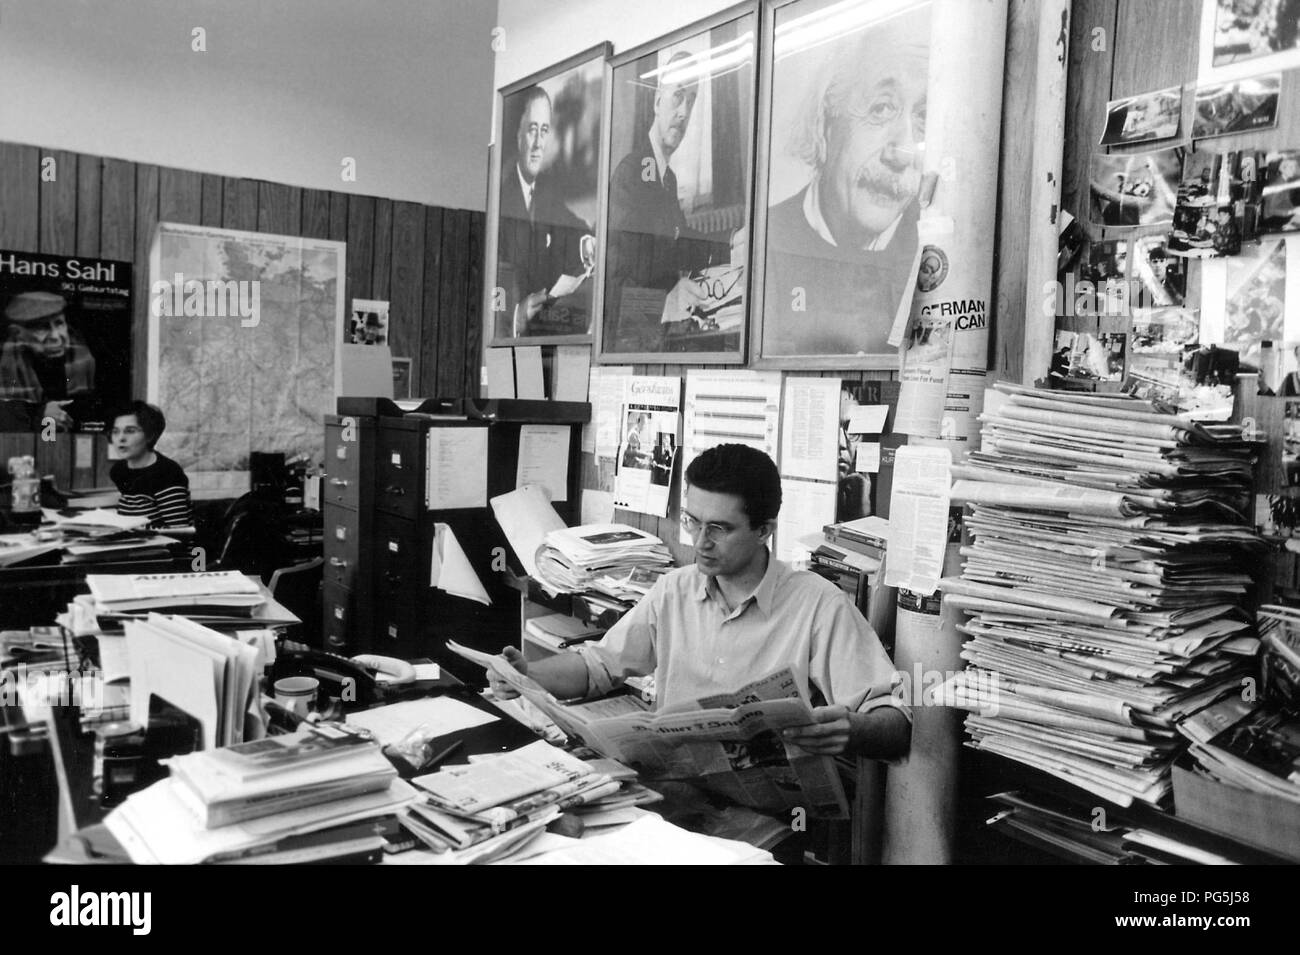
542	204
674	269
841	138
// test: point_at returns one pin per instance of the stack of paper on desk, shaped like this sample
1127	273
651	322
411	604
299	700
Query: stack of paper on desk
573	557
487	806
208	675
1103	585
222	599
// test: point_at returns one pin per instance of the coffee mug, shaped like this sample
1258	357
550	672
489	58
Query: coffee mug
297	693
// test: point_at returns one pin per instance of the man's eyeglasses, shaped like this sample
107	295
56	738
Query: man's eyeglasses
712	532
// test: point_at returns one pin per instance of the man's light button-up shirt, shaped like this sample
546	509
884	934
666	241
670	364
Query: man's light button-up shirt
684	633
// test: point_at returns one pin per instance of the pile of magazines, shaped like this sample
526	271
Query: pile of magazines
572	559
1105	586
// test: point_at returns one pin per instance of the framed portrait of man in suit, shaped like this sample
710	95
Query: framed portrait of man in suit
542	204
674	267
841	115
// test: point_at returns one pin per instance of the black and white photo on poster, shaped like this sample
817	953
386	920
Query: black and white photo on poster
1281	192
65	340
1132	189
1236	106
1143	118
368	324
856	488
675	268
542	206
1161	278
842	175
1083	352
1255	307
1218	203
1248	29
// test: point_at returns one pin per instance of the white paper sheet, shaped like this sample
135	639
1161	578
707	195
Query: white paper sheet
450	569
500	373
529	382
918	518
456	473
526	516
868	419
608	384
544	458
434	716
810	420
597	507
367	370
570	371
867	460
806	507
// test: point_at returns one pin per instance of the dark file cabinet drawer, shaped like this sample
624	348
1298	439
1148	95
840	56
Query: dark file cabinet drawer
348	461
401	566
399	474
342	545
336	628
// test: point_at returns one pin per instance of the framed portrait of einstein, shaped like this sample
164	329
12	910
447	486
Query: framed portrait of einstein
841	137
675	276
543	190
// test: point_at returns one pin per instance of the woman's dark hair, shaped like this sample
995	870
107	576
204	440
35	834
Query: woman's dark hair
149	417
743	471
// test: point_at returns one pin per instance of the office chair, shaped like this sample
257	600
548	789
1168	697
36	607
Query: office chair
299	589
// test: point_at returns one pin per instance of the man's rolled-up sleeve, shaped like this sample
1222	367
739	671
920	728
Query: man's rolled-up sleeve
849	664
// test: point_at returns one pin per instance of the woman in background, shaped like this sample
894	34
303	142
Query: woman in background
151	484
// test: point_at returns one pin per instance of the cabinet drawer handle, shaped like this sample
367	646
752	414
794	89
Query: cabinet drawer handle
339	482
395	490
392	578
338	562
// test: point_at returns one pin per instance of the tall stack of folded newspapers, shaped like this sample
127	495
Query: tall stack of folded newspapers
1105	584
571	559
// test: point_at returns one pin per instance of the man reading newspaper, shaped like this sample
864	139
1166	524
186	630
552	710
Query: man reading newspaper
737	616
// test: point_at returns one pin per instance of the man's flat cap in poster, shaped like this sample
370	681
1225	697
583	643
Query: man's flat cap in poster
34	306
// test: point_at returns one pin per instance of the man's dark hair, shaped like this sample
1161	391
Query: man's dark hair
743	471
149	417
530	95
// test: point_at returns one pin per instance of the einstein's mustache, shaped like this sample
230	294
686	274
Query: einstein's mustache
893	185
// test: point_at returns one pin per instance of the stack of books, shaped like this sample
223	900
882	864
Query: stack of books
489	809
276	774
571	559
1104	585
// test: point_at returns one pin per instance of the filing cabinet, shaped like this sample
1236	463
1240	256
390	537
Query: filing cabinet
381	533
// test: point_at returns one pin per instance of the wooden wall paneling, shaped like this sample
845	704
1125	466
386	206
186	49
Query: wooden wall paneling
117	210
14	444
453	305
406	283
474	305
361	248
239	205
381	269
90	171
180	197
1087	91
279	209
316	214
1010	300
431	307
146	219
212	201
20	185
58	203
339	219
1156	46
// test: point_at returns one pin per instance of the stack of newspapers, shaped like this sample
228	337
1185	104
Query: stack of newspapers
571	559
489	809
1105	585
